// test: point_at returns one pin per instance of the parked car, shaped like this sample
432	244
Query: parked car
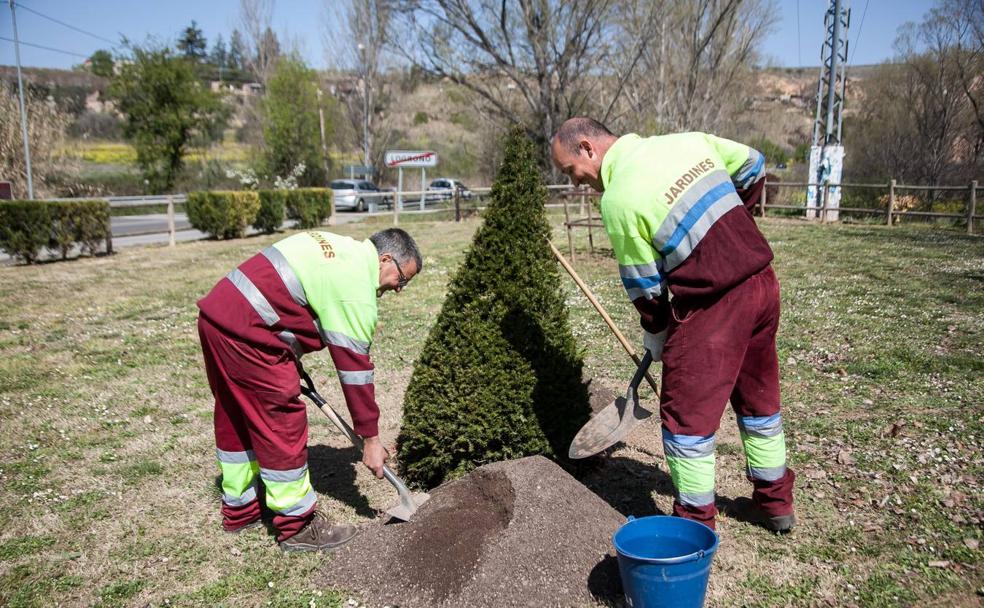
356	194
445	188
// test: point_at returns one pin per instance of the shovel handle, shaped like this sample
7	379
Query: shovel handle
642	370
604	315
309	391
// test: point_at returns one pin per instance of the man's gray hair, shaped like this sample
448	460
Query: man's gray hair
574	130
398	244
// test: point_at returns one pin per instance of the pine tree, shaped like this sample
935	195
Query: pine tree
500	375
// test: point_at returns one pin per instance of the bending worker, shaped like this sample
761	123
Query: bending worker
677	211
309	291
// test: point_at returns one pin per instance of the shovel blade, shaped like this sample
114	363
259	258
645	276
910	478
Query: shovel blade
609	426
407	506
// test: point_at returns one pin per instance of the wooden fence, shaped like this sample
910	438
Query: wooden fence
890	209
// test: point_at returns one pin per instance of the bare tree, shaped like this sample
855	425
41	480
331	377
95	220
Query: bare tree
361	48
529	62
46	126
697	69
261	45
921	121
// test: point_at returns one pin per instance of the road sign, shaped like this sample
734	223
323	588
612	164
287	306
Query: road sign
358	169
410	158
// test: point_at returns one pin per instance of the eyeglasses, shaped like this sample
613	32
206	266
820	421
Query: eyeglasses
403	279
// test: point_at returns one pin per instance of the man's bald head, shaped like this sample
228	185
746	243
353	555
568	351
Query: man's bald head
578	147
570	134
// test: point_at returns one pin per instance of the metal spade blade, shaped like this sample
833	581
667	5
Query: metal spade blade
613	423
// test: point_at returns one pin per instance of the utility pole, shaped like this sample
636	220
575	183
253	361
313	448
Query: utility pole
23	111
324	145
827	151
365	106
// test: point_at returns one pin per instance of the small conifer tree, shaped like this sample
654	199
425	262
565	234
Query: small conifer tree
500	374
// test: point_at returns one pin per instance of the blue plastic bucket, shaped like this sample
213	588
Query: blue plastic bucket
664	561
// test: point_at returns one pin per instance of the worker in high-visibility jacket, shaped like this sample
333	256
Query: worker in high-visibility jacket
695	265
309	291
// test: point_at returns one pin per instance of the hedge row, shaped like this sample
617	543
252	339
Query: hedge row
227	214
27	227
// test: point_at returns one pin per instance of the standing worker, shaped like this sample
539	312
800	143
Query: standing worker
306	292
677	211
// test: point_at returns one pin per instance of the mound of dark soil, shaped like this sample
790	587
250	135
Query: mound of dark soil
516	533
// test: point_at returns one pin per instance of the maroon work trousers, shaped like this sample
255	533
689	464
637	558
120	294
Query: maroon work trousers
258	408
725	350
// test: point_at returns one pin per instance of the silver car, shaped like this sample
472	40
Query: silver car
356	194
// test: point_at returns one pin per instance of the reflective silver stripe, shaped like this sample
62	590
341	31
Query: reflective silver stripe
286	273
700	228
767	473
686	201
283	476
640	271
291	340
650	293
302	506
765	430
234	457
696	499
248	496
339	339
744	172
683	206
360	377
256	299
679	450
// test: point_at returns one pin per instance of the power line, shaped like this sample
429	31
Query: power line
71	27
861	25
47	48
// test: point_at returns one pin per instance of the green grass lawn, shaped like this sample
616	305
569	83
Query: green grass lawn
107	464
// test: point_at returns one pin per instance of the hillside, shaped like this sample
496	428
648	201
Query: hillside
438	115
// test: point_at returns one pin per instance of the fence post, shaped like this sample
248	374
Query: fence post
765	188
826	196
581	210
972	207
567	225
109	232
891	203
170	220
590	229
457	205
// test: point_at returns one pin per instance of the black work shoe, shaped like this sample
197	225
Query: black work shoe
781	524
319	535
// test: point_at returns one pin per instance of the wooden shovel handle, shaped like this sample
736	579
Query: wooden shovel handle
604	314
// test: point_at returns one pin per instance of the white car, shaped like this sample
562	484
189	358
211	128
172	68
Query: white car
445	188
356	194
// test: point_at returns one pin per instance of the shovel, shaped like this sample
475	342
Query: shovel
409	503
613	423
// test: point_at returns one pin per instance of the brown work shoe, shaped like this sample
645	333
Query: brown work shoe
319	535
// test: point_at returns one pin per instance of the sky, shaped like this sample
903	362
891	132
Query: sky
795	41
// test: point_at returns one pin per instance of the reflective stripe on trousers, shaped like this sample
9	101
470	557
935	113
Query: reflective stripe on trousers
288	492
239	470
764	442
691	462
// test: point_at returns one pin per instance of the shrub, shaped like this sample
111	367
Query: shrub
273	205
27	227
499	376
223	215
310	207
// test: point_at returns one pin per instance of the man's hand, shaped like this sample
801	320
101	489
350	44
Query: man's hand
654	343
374	455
